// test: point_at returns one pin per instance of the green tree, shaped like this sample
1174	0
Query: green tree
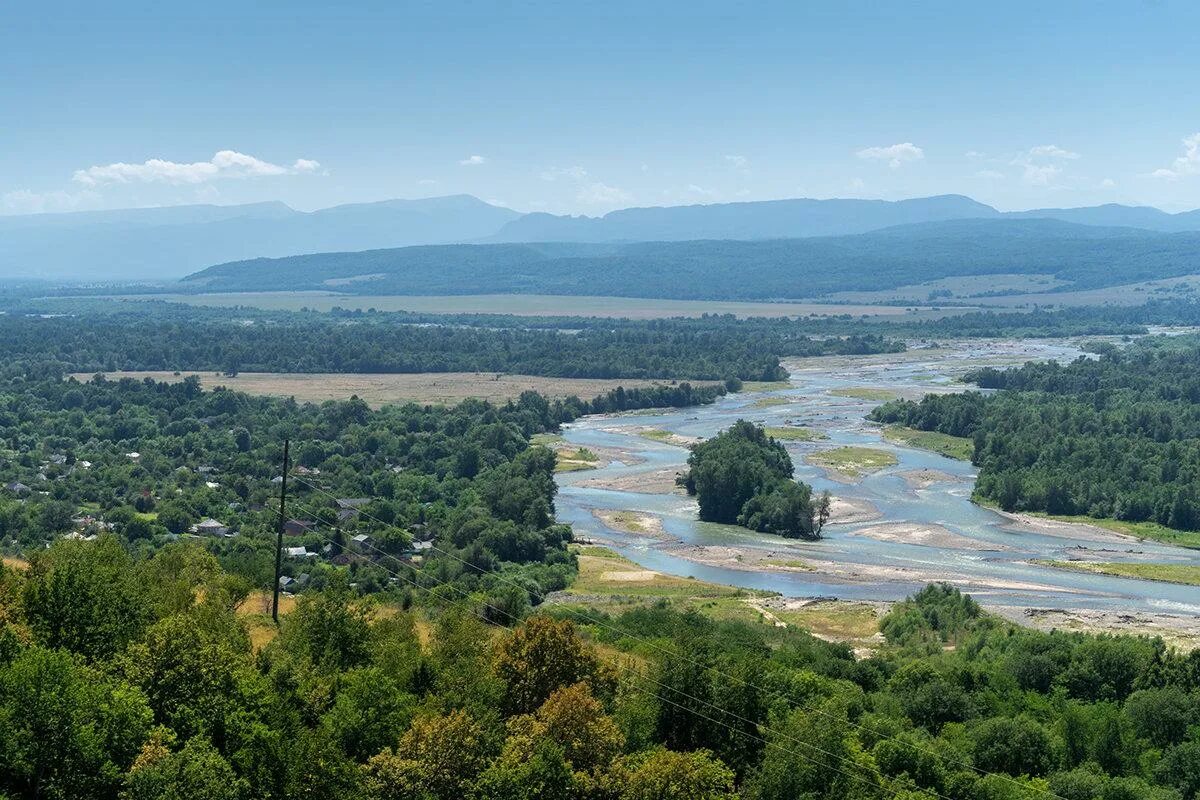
668	775
66	730
196	772
85	597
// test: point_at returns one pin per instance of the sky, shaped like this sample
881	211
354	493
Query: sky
581	108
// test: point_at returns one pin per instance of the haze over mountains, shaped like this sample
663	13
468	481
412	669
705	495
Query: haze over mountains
167	243
1076	256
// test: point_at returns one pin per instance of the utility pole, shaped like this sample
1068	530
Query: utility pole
279	532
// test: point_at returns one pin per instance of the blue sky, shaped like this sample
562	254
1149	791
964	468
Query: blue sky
575	107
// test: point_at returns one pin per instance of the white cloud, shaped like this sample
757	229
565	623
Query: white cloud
427	182
1107	183
601	194
1186	164
973	154
472	161
990	174
1051	151
738	162
224	164
1041	165
699	191
573	173
894	154
856	185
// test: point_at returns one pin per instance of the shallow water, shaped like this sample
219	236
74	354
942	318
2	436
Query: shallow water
993	566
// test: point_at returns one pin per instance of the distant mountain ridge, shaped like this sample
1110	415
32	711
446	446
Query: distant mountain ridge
763	219
1079	256
788	219
167	243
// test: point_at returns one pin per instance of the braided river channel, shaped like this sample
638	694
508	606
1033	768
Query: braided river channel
893	530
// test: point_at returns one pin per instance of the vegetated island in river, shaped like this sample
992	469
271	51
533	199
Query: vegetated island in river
743	476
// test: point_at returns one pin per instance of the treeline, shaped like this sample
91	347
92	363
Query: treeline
178	338
743	476
1116	436
162	692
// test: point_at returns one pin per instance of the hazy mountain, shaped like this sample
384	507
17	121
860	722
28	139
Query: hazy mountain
1113	214
166	243
787	219
1081	256
768	219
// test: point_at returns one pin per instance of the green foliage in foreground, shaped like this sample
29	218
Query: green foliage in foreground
744	476
159	694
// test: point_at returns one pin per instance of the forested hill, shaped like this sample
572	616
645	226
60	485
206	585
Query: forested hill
1081	256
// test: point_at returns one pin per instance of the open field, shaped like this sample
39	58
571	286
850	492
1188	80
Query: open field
795	434
958	447
603	572
536	305
440	388
771	402
1169	573
1138	530
852	462
870	393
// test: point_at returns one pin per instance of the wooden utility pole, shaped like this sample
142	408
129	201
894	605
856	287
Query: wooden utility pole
279	533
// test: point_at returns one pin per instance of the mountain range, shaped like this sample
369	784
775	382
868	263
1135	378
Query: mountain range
1076	256
158	244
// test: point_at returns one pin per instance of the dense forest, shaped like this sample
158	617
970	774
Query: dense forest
1115	436
137	678
164	337
1079	255
743	476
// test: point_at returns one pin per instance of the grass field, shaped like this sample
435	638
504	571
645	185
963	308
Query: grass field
1142	530
864	393
603	572
1167	573
441	388
771	402
853	462
790	434
535	305
958	447
765	386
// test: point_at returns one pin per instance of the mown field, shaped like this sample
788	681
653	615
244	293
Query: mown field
441	388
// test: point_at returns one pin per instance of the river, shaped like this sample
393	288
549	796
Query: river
926	529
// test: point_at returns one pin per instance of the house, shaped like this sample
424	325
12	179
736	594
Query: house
285	582
210	527
362	543
297	552
348	507
16	487
302	580
298	527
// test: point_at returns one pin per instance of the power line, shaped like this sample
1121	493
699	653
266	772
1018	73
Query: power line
693	661
654	645
766	742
